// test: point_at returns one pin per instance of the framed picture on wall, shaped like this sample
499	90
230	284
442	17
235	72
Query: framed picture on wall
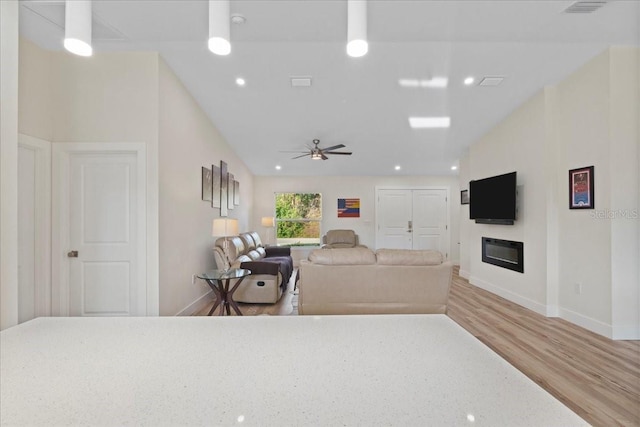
581	189
224	181
207	178
464	197
215	186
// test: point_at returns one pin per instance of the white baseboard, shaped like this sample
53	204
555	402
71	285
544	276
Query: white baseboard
464	274
624	332
593	325
628	332
196	306
518	299
553	311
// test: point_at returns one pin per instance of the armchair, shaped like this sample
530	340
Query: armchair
340	239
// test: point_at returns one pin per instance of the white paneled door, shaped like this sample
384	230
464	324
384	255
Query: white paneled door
103	257
412	219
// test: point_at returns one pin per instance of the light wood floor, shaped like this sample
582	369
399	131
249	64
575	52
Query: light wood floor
599	379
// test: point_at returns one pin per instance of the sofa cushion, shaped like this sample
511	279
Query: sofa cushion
248	241
254	255
408	257
256	238
344	256
261	251
235	246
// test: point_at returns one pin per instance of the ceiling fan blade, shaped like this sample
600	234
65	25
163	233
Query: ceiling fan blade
334	147
346	153
304	155
323	156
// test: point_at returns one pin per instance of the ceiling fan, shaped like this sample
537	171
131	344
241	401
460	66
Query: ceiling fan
318	153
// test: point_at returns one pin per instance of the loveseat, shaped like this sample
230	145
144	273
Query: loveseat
271	267
361	281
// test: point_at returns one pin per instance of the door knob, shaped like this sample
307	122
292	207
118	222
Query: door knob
72	254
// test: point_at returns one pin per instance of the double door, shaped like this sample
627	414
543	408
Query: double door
412	219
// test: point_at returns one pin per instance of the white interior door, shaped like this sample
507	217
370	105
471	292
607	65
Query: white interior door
102	231
394	219
34	228
413	219
430	220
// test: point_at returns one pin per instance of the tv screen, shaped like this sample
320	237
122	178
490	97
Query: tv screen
493	199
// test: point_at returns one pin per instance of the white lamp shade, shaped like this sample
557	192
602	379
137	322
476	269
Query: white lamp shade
268	221
219	27
77	27
223	227
357	44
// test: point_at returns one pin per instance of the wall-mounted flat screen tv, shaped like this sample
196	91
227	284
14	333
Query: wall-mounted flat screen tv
493	200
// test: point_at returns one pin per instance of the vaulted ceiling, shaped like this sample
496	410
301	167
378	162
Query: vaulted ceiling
355	101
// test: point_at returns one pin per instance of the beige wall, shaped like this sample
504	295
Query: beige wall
189	141
591	118
363	187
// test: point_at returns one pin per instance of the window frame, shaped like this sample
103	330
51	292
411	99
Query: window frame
288	240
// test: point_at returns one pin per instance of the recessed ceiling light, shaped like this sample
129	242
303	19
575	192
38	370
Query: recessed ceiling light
397	168
278	167
435	82
429	122
238	19
469	81
240	81
453	168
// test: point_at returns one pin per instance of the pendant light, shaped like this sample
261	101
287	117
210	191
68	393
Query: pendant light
219	27
77	27
357	45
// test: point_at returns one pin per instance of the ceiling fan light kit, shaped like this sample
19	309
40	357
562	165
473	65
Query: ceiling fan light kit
318	153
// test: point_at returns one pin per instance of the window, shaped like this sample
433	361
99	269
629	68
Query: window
298	217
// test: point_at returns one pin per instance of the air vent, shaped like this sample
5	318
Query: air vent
585	6
53	12
300	81
491	81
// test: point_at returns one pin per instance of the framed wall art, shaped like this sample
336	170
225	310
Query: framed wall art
224	182
464	197
581	189
207	181
215	186
230	190
349	208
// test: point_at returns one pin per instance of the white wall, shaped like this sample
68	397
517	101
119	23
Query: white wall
582	108
363	187
590	118
516	144
189	141
35	88
9	53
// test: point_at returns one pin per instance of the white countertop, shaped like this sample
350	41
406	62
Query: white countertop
405	370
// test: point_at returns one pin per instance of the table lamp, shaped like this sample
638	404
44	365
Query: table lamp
225	227
269	222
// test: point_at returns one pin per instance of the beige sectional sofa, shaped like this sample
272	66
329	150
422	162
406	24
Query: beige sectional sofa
360	281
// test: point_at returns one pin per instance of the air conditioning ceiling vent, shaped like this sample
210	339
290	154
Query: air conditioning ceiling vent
585	6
